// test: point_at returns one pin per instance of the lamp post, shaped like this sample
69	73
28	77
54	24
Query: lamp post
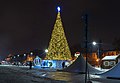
45	51
42	55
86	46
87	78
98	51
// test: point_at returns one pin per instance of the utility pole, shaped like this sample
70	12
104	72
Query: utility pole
87	79
86	45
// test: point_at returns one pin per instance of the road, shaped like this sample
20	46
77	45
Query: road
13	74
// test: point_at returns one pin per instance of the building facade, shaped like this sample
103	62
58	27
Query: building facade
110	61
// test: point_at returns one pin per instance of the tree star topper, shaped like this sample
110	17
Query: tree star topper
58	8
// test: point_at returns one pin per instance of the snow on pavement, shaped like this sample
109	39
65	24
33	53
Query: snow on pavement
15	74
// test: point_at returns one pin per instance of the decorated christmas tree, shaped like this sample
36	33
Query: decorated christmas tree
58	47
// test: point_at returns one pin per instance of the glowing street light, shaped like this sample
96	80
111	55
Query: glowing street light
46	50
98	51
18	55
24	54
94	43
31	53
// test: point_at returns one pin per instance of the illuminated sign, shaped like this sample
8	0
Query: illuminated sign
37	61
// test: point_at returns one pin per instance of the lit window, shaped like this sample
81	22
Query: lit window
112	63
106	63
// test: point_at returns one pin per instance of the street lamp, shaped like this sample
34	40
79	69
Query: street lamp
87	78
18	55
94	43
98	51
31	53
24	54
46	50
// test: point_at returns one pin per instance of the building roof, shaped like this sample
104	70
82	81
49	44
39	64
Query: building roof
110	57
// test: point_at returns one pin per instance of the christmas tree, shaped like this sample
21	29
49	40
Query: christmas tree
58	47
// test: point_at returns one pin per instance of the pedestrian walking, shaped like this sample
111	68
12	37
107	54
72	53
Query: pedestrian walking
30	65
63	64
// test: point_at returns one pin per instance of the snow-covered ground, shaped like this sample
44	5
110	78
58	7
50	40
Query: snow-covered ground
15	74
104	70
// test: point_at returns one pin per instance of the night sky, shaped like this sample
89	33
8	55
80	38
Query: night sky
27	24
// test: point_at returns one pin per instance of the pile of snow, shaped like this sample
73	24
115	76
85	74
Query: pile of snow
79	66
113	72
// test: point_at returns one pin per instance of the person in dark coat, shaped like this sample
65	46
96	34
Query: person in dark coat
63	64
30	65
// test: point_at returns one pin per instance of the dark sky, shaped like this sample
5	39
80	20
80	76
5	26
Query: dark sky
27	24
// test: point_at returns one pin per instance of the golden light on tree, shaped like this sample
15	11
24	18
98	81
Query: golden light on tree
58	47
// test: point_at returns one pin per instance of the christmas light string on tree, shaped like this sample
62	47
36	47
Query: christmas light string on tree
58	47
